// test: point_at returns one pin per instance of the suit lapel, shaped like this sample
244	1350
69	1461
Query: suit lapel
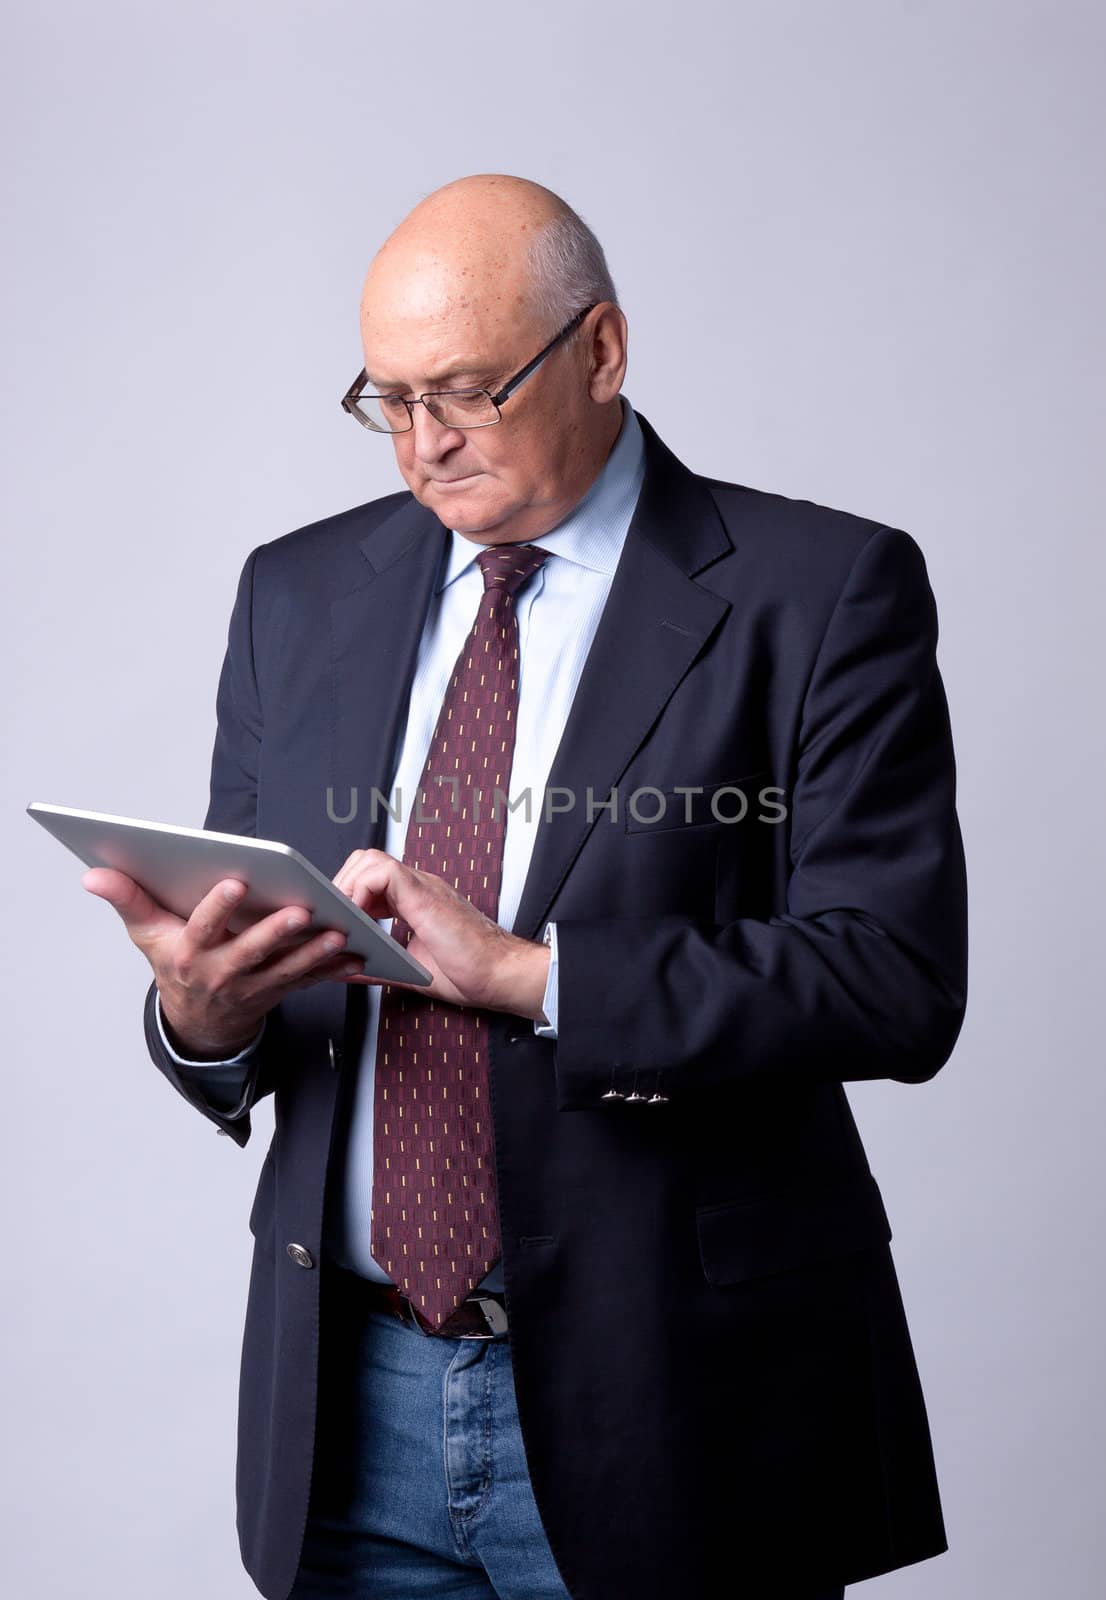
375	633
656	621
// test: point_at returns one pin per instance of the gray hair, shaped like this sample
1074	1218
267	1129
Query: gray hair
568	271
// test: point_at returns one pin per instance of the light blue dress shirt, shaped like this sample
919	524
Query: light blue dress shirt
558	612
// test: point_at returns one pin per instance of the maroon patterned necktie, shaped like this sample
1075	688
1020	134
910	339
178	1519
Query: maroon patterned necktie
435	1221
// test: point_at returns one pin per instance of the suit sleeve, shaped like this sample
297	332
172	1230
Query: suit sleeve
863	973
232	808
220	1075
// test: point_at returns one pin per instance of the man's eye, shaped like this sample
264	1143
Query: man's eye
392	403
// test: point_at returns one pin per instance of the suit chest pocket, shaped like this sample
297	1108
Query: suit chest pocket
683	808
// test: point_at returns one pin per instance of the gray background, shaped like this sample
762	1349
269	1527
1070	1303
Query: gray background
860	247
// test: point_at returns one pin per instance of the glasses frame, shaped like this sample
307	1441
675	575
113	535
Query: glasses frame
357	389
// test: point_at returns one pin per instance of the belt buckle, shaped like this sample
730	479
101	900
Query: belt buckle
494	1315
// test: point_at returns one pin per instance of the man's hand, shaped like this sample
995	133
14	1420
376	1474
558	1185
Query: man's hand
215	987
473	960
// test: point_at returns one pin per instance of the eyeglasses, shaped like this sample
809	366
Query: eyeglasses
453	408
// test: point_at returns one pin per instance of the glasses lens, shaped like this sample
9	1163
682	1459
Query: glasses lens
384	413
463	408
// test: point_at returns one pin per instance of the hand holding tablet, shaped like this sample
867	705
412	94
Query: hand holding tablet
229	962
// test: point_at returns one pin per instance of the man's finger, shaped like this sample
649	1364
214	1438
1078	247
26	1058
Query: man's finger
207	926
143	916
352	867
272	935
346	870
379	884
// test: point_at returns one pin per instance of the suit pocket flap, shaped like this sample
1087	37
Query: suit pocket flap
652	810
743	1239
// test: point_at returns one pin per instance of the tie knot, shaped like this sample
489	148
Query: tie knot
507	566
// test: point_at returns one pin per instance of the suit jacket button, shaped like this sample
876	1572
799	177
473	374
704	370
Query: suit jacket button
300	1256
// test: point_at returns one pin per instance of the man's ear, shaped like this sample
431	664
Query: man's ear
607	354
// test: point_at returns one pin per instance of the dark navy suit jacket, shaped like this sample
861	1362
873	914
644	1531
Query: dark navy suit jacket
712	1364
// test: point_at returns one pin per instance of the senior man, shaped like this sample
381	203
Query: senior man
570	1275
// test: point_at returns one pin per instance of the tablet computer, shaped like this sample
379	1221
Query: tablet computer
178	866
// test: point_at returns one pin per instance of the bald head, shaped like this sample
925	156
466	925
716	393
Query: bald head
466	243
469	287
478	252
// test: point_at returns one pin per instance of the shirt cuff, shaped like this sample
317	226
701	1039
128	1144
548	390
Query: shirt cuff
229	1061
549	1002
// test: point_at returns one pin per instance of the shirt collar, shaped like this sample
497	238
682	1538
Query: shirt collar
594	531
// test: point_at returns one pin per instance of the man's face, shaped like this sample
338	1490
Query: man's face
511	481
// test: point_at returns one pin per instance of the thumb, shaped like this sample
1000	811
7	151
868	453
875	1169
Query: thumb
143	916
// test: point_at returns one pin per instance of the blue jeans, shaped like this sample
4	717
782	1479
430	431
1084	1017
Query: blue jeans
420	1486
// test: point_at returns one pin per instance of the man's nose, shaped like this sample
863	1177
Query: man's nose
433	439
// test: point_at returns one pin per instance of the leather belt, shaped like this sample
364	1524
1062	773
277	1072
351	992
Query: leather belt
481	1315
